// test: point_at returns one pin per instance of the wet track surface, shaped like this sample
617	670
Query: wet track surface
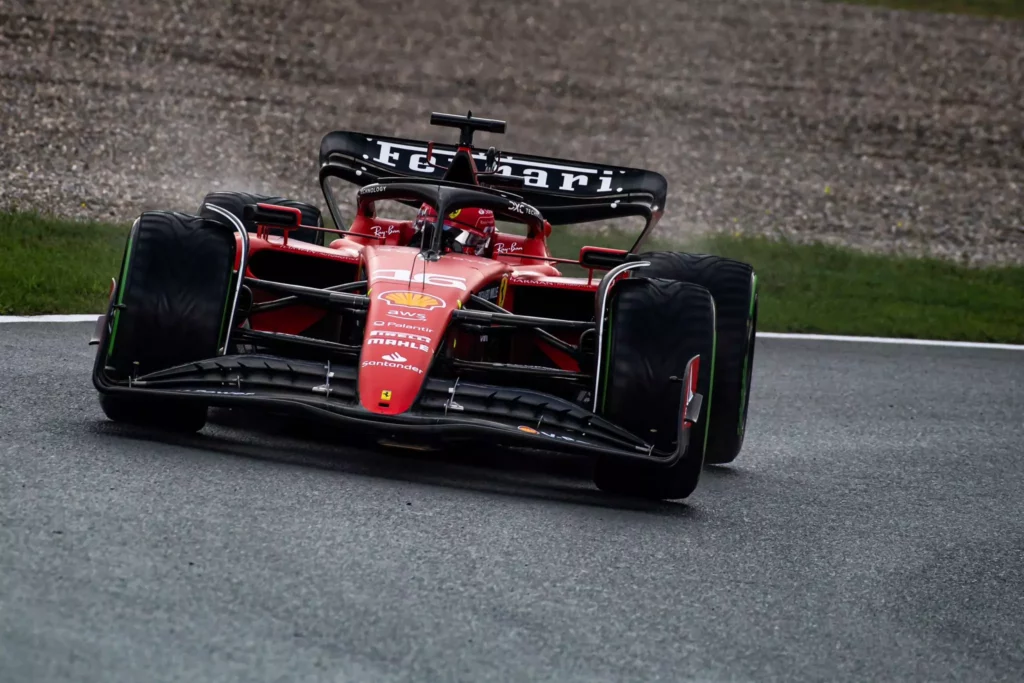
871	530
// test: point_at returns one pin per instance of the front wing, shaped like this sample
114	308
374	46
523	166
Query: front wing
445	410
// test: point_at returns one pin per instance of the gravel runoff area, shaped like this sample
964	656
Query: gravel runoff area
890	131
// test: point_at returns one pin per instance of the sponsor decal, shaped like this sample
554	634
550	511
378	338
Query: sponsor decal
433	279
559	437
395	357
545	175
503	248
400	335
403	326
497	291
371	189
220	392
464	259
415	346
406	299
455	213
563	438
522	207
394	365
344	255
382	232
385	395
564	284
407	315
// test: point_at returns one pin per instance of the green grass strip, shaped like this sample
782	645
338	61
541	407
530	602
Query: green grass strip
1007	9
50	265
834	290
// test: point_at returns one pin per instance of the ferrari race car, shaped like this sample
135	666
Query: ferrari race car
444	326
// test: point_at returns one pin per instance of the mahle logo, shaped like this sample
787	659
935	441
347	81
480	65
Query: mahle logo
404	343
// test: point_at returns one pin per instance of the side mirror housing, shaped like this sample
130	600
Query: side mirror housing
273	215
602	257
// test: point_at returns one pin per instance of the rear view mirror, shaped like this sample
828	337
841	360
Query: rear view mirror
273	215
602	257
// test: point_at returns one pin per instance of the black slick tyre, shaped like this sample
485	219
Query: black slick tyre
654	327
234	203
733	285
170	308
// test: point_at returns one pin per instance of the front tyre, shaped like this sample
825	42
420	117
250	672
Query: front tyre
654	328
733	285
170	308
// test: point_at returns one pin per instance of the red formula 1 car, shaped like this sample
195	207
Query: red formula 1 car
441	327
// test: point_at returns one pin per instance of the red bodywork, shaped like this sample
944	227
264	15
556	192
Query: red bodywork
411	299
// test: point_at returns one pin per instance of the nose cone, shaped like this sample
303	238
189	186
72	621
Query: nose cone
404	329
411	305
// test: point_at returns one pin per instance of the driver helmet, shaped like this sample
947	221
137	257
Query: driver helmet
465	230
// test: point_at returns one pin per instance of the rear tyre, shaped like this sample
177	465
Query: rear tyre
234	202
654	328
170	308
733	285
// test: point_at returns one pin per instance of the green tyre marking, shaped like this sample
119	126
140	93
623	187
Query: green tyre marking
711	384
744	387
120	291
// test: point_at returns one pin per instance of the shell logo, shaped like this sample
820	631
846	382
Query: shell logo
412	300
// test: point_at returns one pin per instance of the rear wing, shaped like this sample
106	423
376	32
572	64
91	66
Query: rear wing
565	191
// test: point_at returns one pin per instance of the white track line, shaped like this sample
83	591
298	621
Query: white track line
889	340
49	318
762	335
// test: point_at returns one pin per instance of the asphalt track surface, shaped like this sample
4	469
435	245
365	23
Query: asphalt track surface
871	530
